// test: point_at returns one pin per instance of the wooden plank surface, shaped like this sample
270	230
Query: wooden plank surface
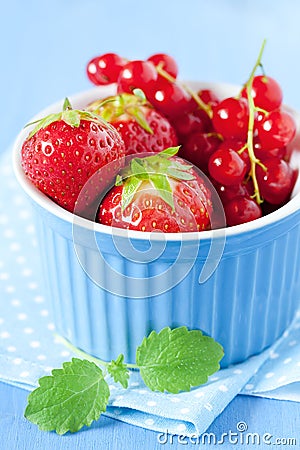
280	419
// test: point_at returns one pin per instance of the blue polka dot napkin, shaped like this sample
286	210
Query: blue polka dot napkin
29	349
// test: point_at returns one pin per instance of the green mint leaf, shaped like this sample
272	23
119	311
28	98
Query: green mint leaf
176	360
71	117
70	398
130	187
118	370
67	104
161	184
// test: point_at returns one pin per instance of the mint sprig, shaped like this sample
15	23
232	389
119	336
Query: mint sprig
172	360
70	398
119	371
176	360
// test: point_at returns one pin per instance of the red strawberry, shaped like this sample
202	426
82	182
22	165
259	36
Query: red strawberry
159	192
66	149
142	128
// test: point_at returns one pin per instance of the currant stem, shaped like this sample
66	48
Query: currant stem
252	110
207	108
87	356
242	149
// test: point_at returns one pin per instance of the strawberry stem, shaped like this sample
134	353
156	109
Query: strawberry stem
67	105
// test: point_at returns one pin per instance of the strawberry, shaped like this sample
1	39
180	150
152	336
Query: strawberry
160	192
142	128
65	149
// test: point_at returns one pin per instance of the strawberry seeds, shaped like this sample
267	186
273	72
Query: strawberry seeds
242	143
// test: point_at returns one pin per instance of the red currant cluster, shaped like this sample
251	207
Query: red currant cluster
241	143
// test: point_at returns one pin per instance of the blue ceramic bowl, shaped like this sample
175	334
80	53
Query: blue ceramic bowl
109	287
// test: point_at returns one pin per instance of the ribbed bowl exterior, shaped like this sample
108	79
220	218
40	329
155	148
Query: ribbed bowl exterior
245	305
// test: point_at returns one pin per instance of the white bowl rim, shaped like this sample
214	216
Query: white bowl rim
49	205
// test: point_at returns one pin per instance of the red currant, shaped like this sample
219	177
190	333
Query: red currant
237	145
227	193
266	93
276	130
262	153
289	150
207	96
169	98
230	118
277	182
241	210
185	124
137	74
226	166
199	147
105	69
167	63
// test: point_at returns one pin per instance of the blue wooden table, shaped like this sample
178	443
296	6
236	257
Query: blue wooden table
269	420
44	47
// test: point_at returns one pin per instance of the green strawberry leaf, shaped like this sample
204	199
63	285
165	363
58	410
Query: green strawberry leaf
162	186
138	115
158	169
119	180
118	370
67	105
138	168
178	165
171	151
179	174
93	117
43	123
129	190
140	94
115	106
70	398
176	360
71	117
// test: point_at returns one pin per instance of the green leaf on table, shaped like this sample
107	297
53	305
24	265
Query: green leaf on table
118	370
70	398
176	360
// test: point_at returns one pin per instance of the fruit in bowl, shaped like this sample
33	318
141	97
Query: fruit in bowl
239	141
120	282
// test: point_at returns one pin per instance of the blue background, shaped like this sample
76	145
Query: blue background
46	45
44	48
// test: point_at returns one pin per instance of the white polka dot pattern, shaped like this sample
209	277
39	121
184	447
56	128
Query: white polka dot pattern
27	349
